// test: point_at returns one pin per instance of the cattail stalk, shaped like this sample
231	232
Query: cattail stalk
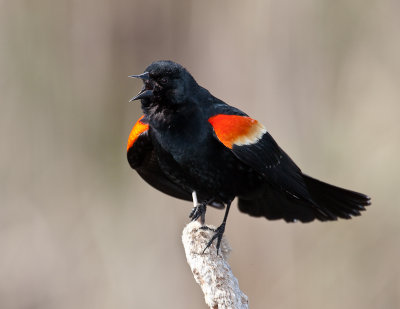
211	271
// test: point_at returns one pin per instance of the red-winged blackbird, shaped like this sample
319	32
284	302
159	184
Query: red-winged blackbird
190	144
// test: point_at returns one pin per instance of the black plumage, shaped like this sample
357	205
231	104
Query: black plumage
189	141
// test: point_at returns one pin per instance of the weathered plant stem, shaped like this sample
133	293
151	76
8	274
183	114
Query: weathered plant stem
211	271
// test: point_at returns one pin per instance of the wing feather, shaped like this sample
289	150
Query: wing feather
260	151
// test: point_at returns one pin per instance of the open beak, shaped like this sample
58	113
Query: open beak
145	92
143	76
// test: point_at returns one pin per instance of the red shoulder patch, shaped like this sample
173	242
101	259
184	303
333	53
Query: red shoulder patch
137	129
236	130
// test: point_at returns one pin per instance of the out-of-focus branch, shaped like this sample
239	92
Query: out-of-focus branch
211	271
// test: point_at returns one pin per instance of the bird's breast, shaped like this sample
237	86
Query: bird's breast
184	145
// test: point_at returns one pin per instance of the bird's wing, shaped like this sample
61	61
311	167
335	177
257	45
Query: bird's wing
139	143
252	144
142	158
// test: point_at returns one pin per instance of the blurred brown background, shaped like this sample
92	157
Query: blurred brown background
80	229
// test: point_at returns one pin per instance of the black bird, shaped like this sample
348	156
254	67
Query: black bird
189	144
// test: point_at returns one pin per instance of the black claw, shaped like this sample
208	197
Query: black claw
198	211
206	228
192	212
219	232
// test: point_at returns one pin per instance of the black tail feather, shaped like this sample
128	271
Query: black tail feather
327	203
341	202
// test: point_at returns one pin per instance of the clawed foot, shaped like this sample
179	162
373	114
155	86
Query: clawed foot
198	211
207	228
219	232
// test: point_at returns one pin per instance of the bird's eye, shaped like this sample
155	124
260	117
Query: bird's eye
164	80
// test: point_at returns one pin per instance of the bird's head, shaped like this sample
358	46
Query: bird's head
166	84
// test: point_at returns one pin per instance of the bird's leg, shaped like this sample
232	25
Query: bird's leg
194	197
199	209
219	232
